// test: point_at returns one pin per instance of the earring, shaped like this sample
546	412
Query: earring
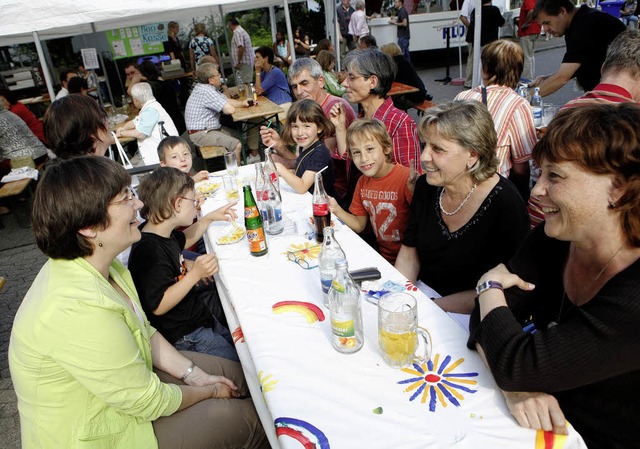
100	244
612	205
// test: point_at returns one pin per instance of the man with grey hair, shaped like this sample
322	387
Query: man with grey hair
620	81
307	82
151	124
203	109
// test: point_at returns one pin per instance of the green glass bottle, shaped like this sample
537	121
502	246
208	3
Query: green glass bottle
253	224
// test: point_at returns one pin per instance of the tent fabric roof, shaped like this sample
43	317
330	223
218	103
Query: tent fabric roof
61	18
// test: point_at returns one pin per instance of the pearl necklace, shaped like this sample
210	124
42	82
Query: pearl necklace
464	201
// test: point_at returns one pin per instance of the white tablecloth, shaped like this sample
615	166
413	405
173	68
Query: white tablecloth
307	391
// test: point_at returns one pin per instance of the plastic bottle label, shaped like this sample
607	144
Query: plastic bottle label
337	286
278	214
256	240
273	176
345	331
251	212
320	209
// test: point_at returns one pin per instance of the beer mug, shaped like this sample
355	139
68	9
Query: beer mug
398	331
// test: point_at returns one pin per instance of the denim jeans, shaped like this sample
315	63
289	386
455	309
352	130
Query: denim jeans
403	43
216	341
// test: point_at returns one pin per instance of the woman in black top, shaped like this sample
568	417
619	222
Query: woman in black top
464	216
568	330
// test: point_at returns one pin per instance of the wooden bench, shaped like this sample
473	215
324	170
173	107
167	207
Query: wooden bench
422	107
212	152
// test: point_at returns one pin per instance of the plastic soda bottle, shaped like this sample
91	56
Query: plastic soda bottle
321	213
536	107
253	224
345	311
260	188
330	252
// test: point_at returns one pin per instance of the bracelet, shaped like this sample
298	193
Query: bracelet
487	285
188	372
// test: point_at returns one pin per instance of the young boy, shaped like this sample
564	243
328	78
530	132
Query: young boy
175	152
189	317
383	195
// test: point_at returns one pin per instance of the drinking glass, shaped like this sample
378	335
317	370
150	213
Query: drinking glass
398	331
242	91
231	187
231	163
548	113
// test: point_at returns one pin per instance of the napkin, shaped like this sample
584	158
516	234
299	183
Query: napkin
21	173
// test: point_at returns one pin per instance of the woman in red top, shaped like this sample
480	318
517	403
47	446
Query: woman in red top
11	103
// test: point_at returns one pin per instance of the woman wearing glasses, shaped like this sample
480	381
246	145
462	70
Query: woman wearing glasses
370	74
87	367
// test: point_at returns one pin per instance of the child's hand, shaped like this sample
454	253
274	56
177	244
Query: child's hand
334	207
269	136
413	176
200	199
337	116
225	213
205	266
280	168
202	175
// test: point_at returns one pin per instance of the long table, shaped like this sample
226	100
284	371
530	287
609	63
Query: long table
254	117
307	393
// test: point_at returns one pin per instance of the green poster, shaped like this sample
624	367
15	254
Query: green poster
138	40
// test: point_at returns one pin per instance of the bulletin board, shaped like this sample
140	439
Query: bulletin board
136	41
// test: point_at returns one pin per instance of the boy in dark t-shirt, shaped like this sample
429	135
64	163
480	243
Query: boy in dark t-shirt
189	316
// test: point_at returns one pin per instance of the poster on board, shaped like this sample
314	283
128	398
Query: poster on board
136	41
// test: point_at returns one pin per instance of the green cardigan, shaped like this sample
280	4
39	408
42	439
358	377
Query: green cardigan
81	364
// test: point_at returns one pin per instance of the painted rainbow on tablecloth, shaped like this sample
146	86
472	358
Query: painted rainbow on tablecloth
549	440
309	436
238	335
310	311
438	382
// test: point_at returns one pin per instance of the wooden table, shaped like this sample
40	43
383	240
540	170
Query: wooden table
175	77
401	89
255	116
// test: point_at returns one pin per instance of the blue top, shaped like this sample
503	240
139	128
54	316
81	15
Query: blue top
275	85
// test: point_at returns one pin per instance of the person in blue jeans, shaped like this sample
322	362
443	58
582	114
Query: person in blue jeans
402	22
179	296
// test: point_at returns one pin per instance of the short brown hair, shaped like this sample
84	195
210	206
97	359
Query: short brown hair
307	111
325	58
71	125
603	139
502	63
159	191
469	124
372	128
74	194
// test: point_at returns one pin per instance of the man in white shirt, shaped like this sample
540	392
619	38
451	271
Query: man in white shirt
358	24
65	76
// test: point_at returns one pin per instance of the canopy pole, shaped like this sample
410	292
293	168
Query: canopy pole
45	68
336	43
213	21
476	46
274	24
104	67
287	19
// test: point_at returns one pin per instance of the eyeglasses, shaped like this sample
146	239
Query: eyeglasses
302	260
195	201
131	195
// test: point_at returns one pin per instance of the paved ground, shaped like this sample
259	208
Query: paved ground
21	264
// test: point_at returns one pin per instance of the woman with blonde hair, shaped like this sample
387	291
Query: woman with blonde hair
201	45
465	218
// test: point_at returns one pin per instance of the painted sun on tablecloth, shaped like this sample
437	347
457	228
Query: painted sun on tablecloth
438	382
309	436
304	251
267	382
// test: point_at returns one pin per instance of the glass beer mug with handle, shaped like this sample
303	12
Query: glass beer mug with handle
398	331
